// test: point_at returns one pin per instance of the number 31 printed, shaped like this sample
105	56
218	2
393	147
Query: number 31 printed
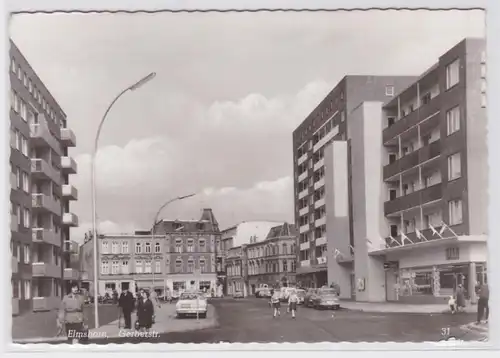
445	331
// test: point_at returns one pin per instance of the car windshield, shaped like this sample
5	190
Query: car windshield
189	296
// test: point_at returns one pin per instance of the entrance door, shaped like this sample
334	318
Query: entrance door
391	279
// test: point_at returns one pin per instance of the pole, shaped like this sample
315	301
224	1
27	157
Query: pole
93	188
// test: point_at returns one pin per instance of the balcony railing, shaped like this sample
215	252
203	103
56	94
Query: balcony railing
305	263
319	203
304	228
68	165
319	164
302	159
47	236
70	219
46	303
14	264
326	138
304	211
68	137
305	246
320	222
303	176
71	274
321	241
413	118
411	160
44	202
414	199
71	247
14	225
319	183
41	169
303	193
323	260
41	136
44	269
426	233
70	192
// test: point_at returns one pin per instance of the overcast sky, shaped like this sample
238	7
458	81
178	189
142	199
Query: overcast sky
218	118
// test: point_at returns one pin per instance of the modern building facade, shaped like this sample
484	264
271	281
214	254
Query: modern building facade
406	191
271	261
179	256
40	189
328	122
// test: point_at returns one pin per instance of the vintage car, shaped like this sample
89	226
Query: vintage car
301	294
191	304
325	298
263	293
238	294
310	294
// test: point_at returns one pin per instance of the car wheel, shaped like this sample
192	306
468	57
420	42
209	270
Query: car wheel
179	315
203	315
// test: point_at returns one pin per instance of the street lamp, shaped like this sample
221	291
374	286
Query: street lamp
155	222
135	86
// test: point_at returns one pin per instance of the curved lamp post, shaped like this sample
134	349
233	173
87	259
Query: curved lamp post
156	222
93	184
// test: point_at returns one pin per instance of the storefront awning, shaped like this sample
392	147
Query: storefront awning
430	243
310	269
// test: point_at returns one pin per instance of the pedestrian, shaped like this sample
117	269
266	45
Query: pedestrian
145	311
275	303
460	297
483	309
71	316
126	304
293	299
115	297
154	299
452	303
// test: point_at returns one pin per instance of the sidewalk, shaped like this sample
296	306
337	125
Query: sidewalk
166	322
479	331
388	307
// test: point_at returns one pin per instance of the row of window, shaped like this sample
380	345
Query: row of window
18	141
116	248
28	83
271	250
22	179
21	289
25	111
15	251
140	266
23	215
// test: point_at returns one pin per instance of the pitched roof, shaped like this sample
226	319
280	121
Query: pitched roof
285	230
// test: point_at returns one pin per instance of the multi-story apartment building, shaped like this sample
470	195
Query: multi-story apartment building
180	256
328	122
40	192
271	261
406	203
236	236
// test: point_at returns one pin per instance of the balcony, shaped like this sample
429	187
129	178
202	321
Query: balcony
319	203
412	119
14	225
68	138
68	165
320	163
70	247
46	303
46	236
71	274
40	136
40	169
426	233
319	183
70	219
322	260
302	159
303	193
326	138
411	160
304	211
303	176
304	228
13	181
44	269
14	263
69	192
414	199
305	263
305	246
15	306
320	222
321	241
42	202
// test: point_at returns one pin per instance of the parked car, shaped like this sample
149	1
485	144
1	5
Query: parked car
326	298
238	294
263	293
309	296
191	303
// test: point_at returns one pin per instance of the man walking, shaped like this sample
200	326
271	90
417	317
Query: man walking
482	304
126	303
71	315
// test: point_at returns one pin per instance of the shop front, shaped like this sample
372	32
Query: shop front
431	273
179	283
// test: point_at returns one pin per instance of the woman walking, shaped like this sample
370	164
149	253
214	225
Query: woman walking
145	312
293	299
275	303
460	297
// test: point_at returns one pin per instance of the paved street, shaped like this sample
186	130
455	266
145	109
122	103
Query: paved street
250	320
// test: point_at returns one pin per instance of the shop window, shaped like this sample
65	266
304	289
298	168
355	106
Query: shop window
204	286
